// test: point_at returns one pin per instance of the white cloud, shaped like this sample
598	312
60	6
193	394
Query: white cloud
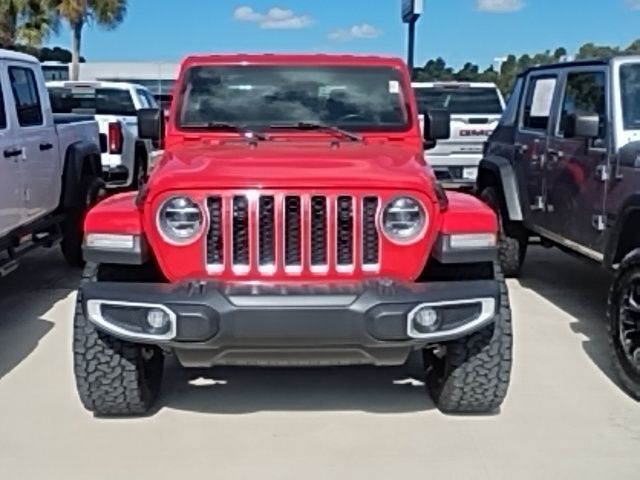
360	31
499	6
274	19
634	4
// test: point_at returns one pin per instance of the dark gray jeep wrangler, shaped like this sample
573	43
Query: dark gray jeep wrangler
564	165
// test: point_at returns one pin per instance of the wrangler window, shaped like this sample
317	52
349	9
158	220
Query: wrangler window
584	95
538	103
629	93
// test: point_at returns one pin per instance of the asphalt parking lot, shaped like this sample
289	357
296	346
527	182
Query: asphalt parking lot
565	416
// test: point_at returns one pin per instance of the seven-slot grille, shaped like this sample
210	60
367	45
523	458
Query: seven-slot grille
293	232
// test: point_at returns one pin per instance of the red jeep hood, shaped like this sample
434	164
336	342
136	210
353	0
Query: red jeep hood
292	164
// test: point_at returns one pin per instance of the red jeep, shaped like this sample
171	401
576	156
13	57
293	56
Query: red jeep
291	221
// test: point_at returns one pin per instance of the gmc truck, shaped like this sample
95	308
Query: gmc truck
50	170
563	165
475	109
292	221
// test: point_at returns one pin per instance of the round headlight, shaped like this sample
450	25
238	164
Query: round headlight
403	219
180	219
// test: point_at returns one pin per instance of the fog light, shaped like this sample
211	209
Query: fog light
158	319
425	319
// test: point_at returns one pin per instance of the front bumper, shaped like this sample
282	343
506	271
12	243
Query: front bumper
371	322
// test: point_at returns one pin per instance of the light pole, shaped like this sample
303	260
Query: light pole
498	62
411	11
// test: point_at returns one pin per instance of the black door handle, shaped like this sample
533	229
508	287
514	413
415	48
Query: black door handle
12	152
45	147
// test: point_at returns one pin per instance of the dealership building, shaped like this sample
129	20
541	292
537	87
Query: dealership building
158	77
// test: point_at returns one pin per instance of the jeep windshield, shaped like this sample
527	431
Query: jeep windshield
630	95
459	100
285	97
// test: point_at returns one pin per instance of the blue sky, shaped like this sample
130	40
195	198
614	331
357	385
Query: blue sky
458	30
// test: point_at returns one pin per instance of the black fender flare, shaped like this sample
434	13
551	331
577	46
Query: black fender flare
503	171
141	146
81	159
630	206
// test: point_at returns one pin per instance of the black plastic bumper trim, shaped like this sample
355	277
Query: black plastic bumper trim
222	321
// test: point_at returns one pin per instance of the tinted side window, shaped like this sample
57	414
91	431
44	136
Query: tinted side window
25	93
538	103
100	101
584	95
3	112
510	113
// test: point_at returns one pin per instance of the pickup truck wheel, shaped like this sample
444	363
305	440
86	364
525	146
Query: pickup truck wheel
472	375
624	323
511	248
94	190
113	377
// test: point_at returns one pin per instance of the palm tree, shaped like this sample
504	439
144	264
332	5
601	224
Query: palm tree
26	22
37	23
77	13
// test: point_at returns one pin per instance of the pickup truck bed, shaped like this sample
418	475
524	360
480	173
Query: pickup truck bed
64	118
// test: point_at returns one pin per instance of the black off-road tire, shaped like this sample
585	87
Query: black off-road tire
628	374
93	189
472	374
512	240
113	377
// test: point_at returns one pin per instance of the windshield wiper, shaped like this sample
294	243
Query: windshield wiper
318	126
247	132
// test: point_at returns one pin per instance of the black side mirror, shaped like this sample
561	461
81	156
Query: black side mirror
582	126
151	124
437	125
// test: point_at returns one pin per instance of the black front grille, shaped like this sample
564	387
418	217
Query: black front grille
318	231
370	240
292	231
215	242
345	231
300	233
266	222
240	231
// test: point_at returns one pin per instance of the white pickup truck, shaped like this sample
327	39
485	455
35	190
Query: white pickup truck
475	109
115	106
50	171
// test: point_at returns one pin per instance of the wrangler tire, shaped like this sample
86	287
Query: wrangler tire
512	246
624	314
113	377
472	374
